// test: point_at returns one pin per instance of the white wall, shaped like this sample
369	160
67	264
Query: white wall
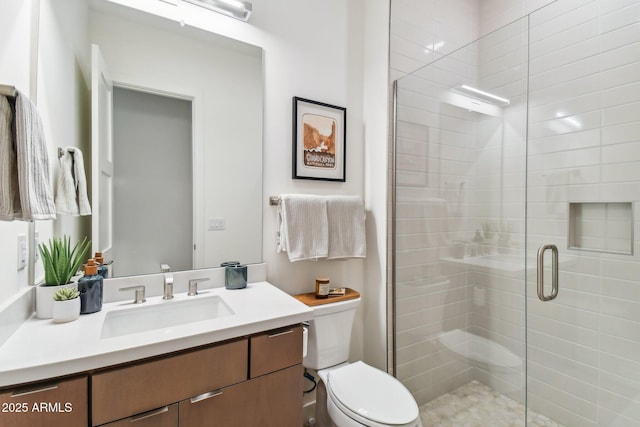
18	39
323	63
375	121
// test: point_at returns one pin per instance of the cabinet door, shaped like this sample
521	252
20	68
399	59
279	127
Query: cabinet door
52	404
167	416
273	400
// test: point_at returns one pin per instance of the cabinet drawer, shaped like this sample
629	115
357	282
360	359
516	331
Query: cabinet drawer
167	416
276	349
146	386
61	403
273	400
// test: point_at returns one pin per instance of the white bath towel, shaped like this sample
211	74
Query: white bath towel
34	200
347	237
302	227
9	196
71	188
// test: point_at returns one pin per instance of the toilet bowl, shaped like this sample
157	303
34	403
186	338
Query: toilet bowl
352	394
361	395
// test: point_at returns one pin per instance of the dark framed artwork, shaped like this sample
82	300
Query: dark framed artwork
319	140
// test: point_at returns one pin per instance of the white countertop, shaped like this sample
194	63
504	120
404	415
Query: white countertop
41	349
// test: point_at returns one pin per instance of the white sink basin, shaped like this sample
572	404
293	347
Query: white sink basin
162	315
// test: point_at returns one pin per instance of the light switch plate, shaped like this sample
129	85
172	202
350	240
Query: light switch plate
22	251
216	224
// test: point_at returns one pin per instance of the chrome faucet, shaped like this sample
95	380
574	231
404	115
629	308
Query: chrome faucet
168	286
139	297
193	285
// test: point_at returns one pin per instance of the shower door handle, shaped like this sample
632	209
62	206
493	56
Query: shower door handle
554	272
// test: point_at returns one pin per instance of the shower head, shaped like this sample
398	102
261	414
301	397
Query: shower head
481	95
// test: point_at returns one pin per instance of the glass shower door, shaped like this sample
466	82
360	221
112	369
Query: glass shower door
583	180
460	179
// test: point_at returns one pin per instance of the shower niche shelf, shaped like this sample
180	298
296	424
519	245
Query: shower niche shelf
605	227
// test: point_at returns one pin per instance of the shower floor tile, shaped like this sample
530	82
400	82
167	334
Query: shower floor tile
476	405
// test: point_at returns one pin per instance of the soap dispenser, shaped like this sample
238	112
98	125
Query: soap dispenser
102	269
90	287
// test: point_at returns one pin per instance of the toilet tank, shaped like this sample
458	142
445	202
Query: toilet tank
330	334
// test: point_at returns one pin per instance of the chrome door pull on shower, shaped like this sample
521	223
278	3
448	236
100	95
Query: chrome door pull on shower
554	272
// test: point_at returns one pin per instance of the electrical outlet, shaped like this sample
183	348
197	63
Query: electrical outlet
216	224
22	251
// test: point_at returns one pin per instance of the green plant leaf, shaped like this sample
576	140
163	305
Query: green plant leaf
60	261
65	294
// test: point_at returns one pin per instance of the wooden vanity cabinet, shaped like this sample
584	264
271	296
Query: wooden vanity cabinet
250	381
61	403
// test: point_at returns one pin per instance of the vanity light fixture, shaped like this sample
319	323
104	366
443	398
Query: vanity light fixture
481	94
235	8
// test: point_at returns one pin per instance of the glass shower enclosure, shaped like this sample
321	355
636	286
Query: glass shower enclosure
516	275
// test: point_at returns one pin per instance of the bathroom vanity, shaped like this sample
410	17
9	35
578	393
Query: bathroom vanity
243	368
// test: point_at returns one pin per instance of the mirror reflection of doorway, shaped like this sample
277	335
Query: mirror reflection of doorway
152	182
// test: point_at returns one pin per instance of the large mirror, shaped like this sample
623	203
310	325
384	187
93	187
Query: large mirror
176	152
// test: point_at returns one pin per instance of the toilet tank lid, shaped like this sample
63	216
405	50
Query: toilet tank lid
372	394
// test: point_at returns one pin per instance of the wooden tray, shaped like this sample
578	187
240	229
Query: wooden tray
311	300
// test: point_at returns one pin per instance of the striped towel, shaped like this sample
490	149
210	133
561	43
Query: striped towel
9	197
36	201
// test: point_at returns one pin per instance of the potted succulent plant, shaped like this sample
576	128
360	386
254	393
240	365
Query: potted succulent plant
66	305
61	262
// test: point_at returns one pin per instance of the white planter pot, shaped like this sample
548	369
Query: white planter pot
44	299
66	311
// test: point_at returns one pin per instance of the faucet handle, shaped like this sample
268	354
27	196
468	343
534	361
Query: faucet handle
193	285
139	296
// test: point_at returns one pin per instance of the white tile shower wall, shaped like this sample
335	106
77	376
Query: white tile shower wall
584	144
424	30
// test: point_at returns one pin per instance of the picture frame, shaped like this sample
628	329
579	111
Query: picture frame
319	141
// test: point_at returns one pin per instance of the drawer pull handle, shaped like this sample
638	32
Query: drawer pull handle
35	390
205	396
150	414
279	334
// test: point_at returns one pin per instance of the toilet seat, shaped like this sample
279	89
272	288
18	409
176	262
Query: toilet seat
371	397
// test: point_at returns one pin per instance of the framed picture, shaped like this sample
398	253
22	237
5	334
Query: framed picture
319	140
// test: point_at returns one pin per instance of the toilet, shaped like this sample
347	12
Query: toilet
352	394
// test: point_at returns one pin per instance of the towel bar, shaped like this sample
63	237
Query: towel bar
7	90
274	200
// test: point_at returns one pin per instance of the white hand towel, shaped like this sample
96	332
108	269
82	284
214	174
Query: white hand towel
80	180
303	227
347	238
71	188
36	201
9	195
66	200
